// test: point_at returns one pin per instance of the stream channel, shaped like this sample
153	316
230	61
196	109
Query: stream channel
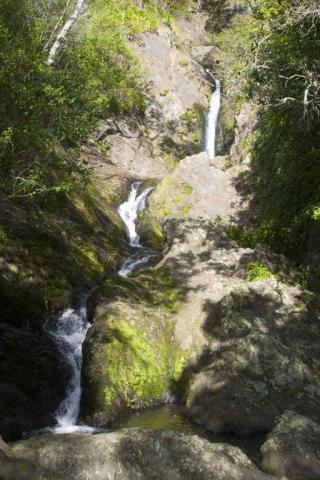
69	331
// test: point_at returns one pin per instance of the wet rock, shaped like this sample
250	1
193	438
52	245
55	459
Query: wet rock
293	448
32	381
135	454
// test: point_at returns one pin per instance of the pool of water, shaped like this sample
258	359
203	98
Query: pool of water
173	417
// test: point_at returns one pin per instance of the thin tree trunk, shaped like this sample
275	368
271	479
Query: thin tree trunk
61	38
57	25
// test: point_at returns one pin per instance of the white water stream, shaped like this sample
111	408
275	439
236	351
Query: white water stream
129	211
213	117
70	329
69	332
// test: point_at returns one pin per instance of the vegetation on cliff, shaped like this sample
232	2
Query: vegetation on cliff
283	78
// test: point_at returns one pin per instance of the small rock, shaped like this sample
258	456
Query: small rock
293	448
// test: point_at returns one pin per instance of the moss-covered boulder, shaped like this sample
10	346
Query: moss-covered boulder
130	358
54	248
252	329
197	188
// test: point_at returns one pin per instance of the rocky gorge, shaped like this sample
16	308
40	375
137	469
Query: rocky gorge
226	331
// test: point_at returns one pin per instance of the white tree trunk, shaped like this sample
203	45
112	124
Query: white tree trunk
61	38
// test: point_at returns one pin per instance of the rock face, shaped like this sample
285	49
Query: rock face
293	448
130	455
29	393
256	340
177	93
256	356
244	340
197	188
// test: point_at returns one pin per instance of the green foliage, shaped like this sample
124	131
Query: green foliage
46	111
184	62
284	80
257	271
221	12
128	17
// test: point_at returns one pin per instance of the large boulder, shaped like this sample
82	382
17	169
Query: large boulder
213	323
293	448
130	359
32	381
259	360
132	454
254	336
197	188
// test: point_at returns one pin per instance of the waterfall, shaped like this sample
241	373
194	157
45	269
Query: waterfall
129	211
70	329
69	332
213	117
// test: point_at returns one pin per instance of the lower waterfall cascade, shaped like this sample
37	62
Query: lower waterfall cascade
70	329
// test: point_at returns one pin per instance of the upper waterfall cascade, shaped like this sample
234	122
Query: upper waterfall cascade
213	118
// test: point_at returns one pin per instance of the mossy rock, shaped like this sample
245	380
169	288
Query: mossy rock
130	358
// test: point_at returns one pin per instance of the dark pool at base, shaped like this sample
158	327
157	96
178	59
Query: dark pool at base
173	417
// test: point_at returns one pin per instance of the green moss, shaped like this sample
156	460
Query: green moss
140	365
186	188
257	271
135	372
159	288
186	208
190	116
184	62
157	238
3	234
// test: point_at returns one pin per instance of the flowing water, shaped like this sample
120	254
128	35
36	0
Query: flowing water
213	117
69	332
129	211
70	329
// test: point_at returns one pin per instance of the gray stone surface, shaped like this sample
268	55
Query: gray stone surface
293	448
130	455
256	341
197	188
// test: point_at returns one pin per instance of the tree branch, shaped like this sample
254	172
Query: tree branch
61	38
